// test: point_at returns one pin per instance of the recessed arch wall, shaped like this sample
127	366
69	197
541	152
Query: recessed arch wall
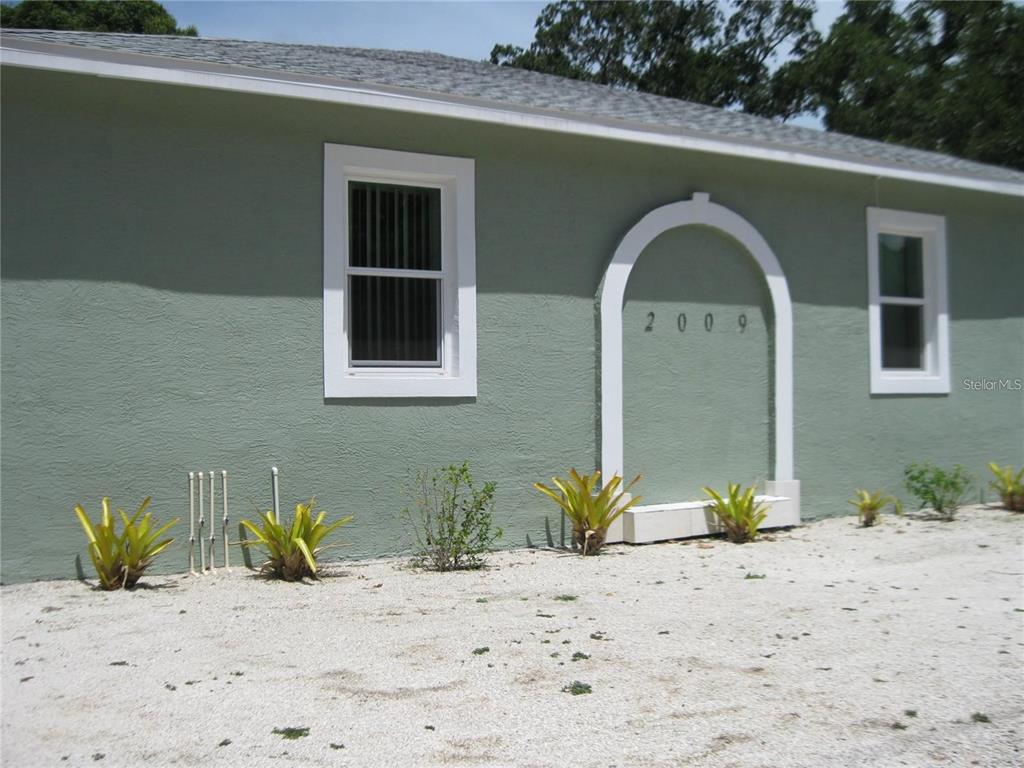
698	210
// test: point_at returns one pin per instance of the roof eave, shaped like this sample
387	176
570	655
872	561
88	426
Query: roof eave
189	72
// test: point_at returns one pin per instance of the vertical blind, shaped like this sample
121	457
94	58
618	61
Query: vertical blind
901	271
394	319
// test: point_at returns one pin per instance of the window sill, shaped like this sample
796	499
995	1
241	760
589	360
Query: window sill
408	385
909	384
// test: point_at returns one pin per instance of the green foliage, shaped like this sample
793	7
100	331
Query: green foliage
937	75
682	49
143	17
944	76
451	519
291	733
938	489
576	688
739	514
121	559
292	548
869	504
590	513
1009	485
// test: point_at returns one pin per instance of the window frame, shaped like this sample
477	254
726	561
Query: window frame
934	376
455	177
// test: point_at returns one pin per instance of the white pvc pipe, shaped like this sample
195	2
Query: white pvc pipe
275	489
213	524
202	525
224	502
191	523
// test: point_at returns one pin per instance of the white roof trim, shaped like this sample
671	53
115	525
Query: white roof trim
173	71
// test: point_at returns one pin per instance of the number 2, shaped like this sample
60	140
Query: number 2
650	322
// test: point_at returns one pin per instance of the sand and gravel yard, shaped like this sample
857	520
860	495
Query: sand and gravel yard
826	645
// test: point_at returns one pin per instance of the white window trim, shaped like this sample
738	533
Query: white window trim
455	177
934	378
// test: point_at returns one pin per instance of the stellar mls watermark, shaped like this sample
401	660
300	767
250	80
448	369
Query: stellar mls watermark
994	385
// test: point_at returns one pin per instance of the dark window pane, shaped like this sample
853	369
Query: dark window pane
394	320
394	227
901	266
902	338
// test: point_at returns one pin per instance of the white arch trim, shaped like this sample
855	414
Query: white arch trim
698	210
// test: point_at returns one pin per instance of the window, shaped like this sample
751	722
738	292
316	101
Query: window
399	274
907	314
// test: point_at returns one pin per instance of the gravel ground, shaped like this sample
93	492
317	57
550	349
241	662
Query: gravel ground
827	645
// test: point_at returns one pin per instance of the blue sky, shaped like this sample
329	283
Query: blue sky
466	29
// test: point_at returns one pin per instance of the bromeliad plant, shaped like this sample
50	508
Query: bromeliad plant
590	513
292	548
1009	485
740	514
870	504
121	559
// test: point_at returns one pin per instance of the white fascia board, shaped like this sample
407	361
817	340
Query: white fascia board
172	71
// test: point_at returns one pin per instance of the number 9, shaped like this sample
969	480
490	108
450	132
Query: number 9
743	323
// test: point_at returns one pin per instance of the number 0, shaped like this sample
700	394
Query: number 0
681	322
709	322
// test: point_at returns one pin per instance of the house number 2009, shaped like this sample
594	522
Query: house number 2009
709	322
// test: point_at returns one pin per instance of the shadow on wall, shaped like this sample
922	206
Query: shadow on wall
204	192
698	373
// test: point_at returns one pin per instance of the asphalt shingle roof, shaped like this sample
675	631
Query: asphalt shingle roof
446	76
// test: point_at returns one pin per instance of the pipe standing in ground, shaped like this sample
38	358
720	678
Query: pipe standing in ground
224	530
274	487
213	524
202	526
192	523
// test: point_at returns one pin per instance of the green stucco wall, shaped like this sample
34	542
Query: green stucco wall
162	296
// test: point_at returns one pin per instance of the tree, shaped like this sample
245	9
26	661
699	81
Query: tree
684	49
940	75
945	76
144	17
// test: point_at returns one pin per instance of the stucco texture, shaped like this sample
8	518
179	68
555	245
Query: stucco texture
162	311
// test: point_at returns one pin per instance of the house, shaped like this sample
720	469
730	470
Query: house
354	264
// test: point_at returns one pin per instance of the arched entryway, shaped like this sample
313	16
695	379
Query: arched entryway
699	210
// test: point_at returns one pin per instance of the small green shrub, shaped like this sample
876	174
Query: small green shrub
451	519
739	514
938	489
576	688
292	548
121	559
1009	485
870	504
590	513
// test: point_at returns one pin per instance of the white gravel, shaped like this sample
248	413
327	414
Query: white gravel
858	647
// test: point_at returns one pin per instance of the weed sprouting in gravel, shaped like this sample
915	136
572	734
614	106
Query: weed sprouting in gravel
980	717
579	656
481	650
576	688
291	733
